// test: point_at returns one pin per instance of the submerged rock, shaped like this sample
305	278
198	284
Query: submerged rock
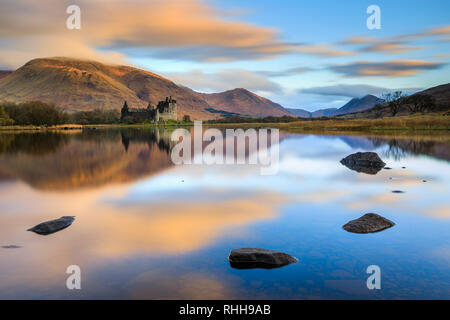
398	191
250	258
368	223
366	162
52	226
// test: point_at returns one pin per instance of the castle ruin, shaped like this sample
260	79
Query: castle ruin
165	110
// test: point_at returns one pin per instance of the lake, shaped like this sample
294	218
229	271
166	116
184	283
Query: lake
147	229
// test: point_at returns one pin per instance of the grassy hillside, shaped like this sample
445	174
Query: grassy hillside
77	85
244	102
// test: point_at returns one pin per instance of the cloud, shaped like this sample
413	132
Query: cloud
323	50
442	55
442	33
398	44
391	48
358	40
287	72
387	46
225	80
392	68
346	90
114	25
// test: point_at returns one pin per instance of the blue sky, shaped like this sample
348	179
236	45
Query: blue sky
301	54
330	22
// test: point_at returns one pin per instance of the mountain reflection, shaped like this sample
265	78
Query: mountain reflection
169	235
401	148
63	161
93	158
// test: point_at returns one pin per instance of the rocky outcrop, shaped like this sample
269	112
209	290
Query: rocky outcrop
368	223
52	226
250	258
366	162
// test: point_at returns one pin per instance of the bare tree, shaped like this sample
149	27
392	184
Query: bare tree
395	100
420	103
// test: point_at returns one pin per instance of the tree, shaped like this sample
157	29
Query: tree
420	103
395	100
378	109
96	116
186	118
5	120
40	113
36	113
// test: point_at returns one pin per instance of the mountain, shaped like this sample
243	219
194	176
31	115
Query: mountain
245	103
76	85
359	104
441	95
299	112
324	112
4	73
307	114
354	105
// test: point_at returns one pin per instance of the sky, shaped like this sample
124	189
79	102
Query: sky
301	54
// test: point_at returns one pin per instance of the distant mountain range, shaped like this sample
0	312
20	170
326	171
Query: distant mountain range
77	84
354	105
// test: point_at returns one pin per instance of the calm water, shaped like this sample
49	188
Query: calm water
147	229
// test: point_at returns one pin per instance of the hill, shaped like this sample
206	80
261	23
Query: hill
245	103
324	112
359	104
307	114
440	95
77	85
4	73
302	113
354	105
80	85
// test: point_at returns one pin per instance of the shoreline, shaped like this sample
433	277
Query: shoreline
434	122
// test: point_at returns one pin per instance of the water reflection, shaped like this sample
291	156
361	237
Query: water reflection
402	148
147	229
83	159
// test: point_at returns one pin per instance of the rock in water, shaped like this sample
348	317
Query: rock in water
368	223
366	162
53	226
250	258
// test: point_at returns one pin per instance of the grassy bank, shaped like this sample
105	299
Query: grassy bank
62	127
404	123
431	122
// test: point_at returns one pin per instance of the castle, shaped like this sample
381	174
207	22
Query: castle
165	110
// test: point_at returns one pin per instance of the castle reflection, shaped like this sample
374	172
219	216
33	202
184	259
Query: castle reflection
89	158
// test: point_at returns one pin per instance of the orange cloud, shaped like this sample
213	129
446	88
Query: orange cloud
392	68
392	48
38	29
323	50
